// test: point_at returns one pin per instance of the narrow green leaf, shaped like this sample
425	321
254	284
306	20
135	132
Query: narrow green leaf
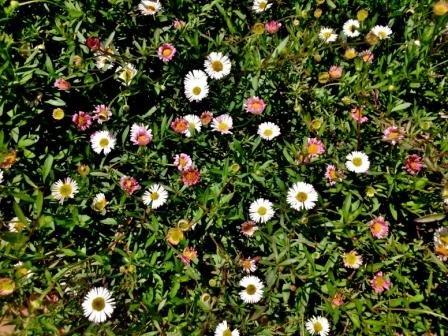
46	168
430	218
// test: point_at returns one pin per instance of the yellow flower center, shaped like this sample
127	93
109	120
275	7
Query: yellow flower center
313	149
379	282
377	227
227	332
65	190
333	174
262	211
267	132
150	8
217	66
251	289
256	105
326	34
166	52
154	196
317	327
100	204
444	239
382	34
301	196
222	126
262	5
196	90
351	258
357	162
104	142
98	304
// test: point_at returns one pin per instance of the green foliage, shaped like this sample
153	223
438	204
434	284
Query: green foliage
71	247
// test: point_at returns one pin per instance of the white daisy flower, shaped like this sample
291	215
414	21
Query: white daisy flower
268	130
352	260
16	225
149	7
253	289
194	124
217	65
222	124
327	35
261	210
22	270
195	85
318	326
382	32
357	162
102	141
64	189
156	196
302	196
351	27
98	305
261	5
126	73
99	202
223	330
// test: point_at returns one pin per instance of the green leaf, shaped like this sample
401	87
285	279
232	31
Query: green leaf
280	47
46	168
430	218
19	213
38	204
401	106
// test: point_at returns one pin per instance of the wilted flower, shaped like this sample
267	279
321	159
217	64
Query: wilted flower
393	134
93	43
82	120
166	52
102	113
188	254
174	236
272	26
126	73
99	202
249	264
178	24
337	300
62	84
9	158
380	283
258	28
206	118
413	164
129	184
357	115
249	228
333	175
362	15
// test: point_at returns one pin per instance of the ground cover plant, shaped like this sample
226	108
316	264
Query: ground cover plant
223	167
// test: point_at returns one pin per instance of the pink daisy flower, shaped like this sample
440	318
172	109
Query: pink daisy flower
272	26
62	84
379	283
166	52
314	148
183	161
393	134
82	120
191	176
413	164
141	135
255	105
333	175
180	125
249	228
335	72
379	227
101	113
357	115
367	56
129	184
